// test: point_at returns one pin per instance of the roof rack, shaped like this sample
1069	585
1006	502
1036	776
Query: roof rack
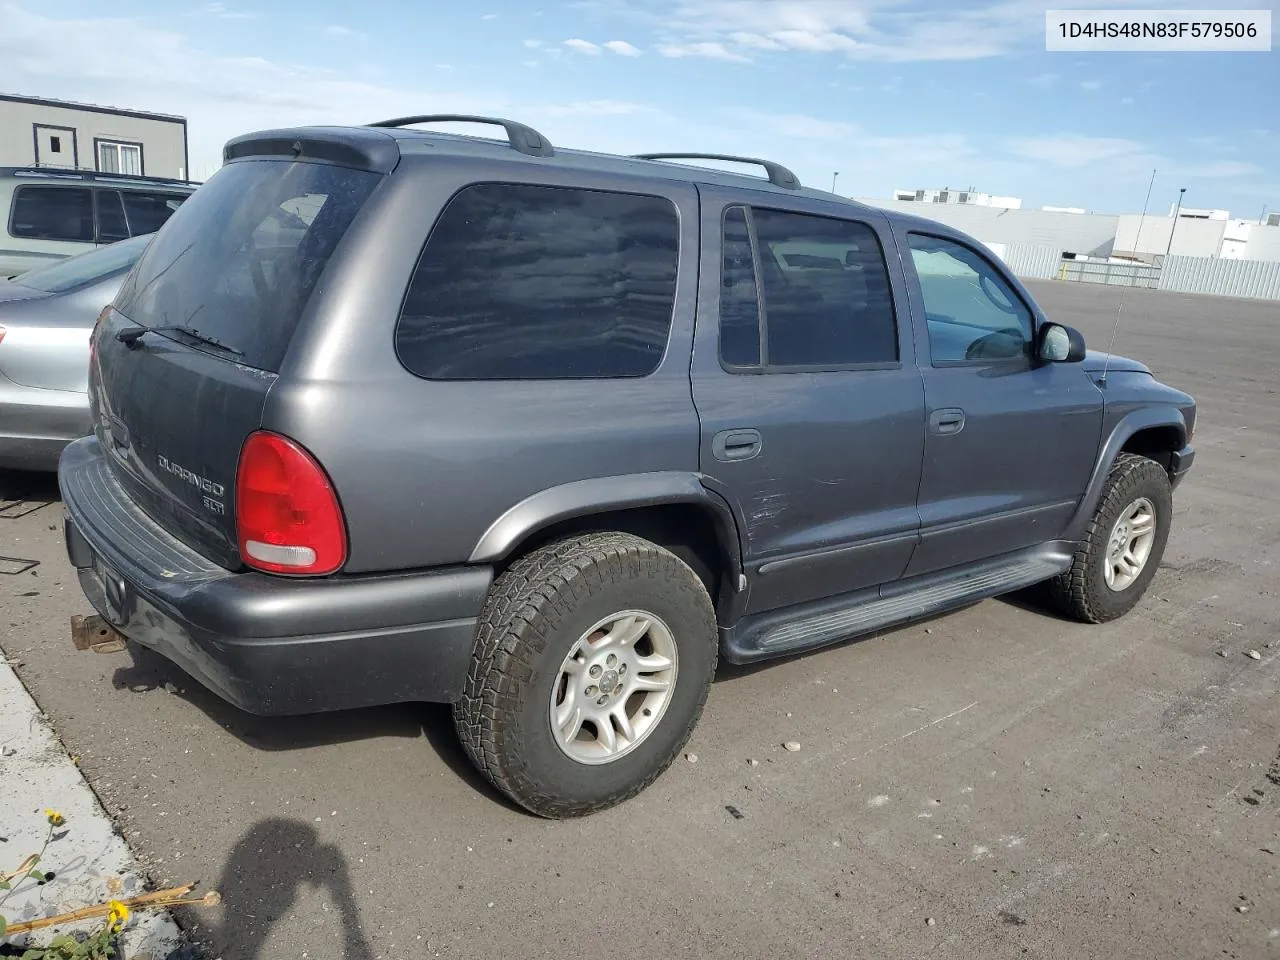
779	175
71	173
523	139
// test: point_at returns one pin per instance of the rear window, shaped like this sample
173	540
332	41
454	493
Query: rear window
522	282
52	213
239	258
86	268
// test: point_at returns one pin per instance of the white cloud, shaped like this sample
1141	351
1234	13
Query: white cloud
622	48
337	30
1043	80
1126	101
490	16
599	108
707	49
1090	84
1072	151
755	41
533	44
221	10
583	46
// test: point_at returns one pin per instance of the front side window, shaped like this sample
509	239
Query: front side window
52	213
523	282
972	312
823	289
119	157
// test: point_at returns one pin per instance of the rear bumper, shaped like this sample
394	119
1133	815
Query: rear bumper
267	644
1180	463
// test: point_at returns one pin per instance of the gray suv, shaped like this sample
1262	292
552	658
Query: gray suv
385	415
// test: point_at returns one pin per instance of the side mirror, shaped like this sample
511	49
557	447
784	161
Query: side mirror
1059	343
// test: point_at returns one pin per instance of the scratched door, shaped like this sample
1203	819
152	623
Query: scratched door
818	446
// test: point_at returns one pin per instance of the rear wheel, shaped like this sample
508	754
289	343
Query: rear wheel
1125	543
593	660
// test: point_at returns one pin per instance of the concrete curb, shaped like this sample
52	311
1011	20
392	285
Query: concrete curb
90	859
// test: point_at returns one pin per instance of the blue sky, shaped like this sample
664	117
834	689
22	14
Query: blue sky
890	93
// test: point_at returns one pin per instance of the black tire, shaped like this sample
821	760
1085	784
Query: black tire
535	613
1082	591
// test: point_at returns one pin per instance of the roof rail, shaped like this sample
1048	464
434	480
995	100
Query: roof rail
779	175
524	139
72	173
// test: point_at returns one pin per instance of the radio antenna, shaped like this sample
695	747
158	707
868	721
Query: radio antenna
1137	242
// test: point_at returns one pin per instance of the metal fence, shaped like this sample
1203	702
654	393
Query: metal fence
1032	260
1116	274
1254	279
1258	279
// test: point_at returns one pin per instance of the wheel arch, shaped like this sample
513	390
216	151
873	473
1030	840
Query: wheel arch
671	508
1155	432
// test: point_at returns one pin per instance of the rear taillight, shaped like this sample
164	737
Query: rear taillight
3	331
288	519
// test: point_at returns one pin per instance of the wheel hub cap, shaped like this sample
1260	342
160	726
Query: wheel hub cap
613	687
1130	543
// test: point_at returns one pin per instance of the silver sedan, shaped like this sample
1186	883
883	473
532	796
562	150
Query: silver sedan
46	317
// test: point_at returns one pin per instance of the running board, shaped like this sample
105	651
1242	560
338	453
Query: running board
797	629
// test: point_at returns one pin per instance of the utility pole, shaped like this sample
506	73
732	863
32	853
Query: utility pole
833	181
1176	210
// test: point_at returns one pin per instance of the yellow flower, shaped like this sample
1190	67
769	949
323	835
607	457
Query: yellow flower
118	916
55	818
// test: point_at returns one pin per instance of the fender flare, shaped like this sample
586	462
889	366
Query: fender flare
1144	418
582	498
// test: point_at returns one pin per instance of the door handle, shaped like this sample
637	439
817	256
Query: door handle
946	421
729	445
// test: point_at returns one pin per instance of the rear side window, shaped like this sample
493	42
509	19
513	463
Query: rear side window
52	213
522	282
239	258
147	212
817	287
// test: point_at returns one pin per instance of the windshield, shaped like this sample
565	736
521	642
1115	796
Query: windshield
238	261
86	267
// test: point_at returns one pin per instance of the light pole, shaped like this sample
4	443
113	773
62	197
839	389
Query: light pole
1174	226
833	181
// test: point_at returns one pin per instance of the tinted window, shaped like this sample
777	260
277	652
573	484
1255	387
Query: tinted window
147	212
739	301
111	223
86	267
52	213
826	291
240	257
522	282
973	313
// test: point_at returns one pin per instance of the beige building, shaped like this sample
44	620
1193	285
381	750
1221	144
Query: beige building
54	133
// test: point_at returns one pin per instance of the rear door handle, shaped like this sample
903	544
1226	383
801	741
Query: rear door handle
946	421
729	445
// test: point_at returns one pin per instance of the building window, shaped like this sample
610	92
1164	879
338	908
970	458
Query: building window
119	157
55	144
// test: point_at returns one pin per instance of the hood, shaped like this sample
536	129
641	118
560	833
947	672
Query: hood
1095	360
11	291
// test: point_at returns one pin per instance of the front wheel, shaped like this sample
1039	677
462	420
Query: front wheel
593	659
1125	543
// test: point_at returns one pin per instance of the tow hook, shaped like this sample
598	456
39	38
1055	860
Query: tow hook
94	633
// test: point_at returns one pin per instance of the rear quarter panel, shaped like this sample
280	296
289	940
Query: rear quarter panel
423	468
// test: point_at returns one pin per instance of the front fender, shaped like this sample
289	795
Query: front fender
1143	418
582	498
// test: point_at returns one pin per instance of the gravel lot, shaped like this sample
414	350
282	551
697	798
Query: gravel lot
994	783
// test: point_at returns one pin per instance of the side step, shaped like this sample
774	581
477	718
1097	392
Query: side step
796	629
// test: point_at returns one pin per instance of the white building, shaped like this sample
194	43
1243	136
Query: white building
947	195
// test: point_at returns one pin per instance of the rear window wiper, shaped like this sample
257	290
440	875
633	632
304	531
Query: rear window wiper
135	334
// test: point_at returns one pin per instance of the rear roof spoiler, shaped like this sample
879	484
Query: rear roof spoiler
356	147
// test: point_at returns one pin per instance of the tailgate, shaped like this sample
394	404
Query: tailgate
183	361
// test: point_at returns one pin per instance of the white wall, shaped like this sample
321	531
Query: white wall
1192	238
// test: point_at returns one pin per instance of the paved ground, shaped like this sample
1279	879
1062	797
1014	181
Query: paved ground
1033	787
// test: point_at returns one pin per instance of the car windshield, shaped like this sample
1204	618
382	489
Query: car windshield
86	267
